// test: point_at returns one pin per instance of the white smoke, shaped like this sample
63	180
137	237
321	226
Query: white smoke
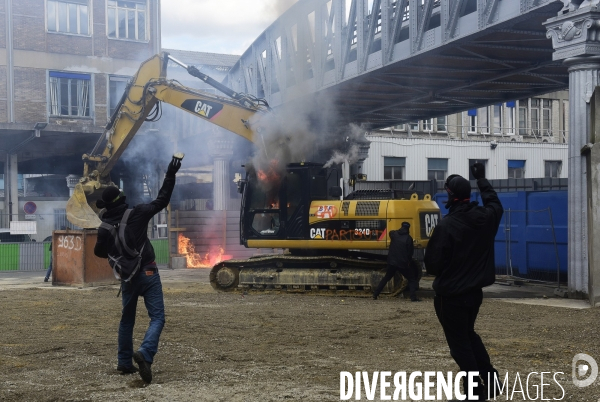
340	157
351	155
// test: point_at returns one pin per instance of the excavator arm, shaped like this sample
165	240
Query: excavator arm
146	89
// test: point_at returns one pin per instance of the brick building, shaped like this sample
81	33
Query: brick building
63	65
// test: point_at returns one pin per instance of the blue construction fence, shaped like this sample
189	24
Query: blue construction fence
531	242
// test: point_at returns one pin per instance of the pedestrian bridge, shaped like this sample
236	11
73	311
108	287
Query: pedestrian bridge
384	62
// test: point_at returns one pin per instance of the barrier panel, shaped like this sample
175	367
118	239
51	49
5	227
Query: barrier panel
531	242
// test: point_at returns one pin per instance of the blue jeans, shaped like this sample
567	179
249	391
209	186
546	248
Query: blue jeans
49	271
150	288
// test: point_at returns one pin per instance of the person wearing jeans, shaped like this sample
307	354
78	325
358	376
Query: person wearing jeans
147	285
49	271
146	282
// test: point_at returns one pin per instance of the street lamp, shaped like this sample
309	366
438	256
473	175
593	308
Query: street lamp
36	134
39	127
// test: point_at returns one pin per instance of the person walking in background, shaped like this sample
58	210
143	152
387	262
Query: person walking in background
49	271
144	282
460	254
399	260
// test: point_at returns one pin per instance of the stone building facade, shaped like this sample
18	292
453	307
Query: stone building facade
63	65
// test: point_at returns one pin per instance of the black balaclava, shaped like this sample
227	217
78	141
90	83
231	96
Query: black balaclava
458	188
111	197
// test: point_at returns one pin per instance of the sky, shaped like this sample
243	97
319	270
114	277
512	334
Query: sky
217	26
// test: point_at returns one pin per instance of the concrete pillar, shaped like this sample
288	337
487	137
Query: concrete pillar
574	36
221	150
582	74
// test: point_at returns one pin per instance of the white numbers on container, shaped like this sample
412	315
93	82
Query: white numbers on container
70	242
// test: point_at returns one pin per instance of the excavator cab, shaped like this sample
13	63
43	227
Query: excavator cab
276	206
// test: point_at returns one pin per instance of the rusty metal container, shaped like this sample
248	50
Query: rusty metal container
74	262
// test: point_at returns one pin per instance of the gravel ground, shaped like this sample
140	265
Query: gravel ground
60	344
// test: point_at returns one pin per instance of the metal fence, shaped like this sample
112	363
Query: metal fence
532	240
35	256
29	256
531	247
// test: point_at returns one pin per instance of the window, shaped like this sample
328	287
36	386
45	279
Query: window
437	169
393	168
414	126
472	116
510	117
116	88
546	117
535	116
441	123
127	19
428	125
68	16
516	169
552	169
523	117
474	161
60	220
69	94
484	120
498	123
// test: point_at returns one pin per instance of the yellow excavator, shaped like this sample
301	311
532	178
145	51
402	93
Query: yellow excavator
332	241
139	101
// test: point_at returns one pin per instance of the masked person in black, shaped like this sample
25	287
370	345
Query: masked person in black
399	260
146	282
460	254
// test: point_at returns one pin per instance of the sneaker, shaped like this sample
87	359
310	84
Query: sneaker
375	296
145	370
127	369
45	279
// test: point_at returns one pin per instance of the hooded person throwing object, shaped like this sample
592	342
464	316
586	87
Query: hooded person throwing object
399	260
460	254
145	281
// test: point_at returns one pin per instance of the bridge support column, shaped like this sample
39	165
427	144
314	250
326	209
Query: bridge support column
573	35
221	151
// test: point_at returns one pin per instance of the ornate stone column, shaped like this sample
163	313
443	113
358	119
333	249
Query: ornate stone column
221	150
72	181
575	36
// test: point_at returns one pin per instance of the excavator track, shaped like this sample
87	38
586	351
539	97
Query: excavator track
321	274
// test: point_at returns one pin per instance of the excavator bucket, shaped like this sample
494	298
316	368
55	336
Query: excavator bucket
79	211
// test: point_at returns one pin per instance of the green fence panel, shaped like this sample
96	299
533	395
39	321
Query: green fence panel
9	257
161	250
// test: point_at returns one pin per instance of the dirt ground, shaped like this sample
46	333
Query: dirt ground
60	344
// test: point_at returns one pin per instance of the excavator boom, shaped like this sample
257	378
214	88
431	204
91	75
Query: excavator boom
147	88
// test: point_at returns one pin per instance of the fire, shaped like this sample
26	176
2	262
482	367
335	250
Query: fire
270	174
194	260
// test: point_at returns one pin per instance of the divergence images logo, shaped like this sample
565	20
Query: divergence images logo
202	108
585	370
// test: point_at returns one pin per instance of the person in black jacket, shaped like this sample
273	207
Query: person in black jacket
399	260
460	254
146	282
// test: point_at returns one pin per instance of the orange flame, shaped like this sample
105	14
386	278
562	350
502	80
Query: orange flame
194	260
270	174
